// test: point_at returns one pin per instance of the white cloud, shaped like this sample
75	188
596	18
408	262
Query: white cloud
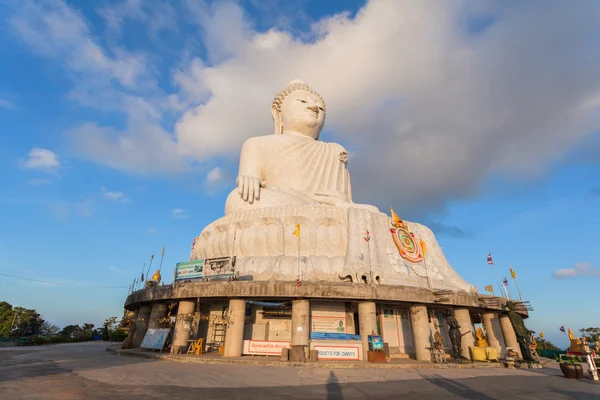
214	175
180	213
151	231
114	196
429	106
6	104
42	159
579	269
425	103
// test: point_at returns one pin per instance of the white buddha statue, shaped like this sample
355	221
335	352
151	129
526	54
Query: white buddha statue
292	215
292	167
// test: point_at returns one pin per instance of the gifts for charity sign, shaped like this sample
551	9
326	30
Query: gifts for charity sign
264	347
338	352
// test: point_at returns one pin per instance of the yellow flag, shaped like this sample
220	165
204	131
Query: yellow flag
542	334
513	273
297	230
163	251
489	288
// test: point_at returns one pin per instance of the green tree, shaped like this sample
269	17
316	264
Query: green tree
543	344
48	330
71	331
108	327
7	315
591	334
27	322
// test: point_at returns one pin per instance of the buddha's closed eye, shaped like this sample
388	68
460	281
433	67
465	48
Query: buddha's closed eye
302	101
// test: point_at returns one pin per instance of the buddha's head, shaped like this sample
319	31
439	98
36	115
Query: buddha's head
298	108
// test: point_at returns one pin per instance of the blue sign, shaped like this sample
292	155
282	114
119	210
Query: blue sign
189	270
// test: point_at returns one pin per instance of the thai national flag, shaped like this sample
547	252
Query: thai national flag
505	282
562	329
490	261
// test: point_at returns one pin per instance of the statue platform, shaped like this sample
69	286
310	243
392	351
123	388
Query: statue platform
332	246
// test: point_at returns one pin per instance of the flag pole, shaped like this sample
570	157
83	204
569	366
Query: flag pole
149	266
299	244
505	291
143	268
491	261
161	258
513	273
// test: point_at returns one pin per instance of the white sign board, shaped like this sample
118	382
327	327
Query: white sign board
155	339
338	352
264	347
328	317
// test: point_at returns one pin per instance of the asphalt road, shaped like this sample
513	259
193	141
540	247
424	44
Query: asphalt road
86	371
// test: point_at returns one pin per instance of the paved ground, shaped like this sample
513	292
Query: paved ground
86	371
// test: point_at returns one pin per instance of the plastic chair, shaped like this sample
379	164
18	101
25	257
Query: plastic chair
196	347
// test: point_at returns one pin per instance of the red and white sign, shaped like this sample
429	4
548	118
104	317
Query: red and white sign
338	352
264	347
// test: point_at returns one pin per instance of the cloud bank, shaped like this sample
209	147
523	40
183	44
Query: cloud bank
430	97
579	269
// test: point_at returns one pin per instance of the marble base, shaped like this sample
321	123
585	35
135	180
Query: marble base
331	247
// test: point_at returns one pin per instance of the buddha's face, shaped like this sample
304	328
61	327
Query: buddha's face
303	112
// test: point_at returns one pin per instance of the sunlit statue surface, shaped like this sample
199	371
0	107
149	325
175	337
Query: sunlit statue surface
292	166
291	216
577	346
481	341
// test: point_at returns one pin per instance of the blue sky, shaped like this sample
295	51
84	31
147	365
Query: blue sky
121	124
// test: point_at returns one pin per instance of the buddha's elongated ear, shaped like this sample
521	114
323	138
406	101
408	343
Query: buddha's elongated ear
277	127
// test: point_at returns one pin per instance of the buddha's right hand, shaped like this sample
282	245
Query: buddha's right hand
249	187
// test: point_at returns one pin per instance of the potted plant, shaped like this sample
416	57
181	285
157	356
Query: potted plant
570	368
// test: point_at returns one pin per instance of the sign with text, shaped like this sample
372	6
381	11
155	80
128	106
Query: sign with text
189	270
328	317
155	339
338	352
219	266
264	347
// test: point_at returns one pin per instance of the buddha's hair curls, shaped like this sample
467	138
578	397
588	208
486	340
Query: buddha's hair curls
296	84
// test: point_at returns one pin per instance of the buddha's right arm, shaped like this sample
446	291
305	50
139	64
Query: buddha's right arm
250	177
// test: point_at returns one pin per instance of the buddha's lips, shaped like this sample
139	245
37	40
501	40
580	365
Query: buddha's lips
313	113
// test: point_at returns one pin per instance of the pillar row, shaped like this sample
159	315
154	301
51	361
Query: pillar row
141	325
183	326
419	325
464	320
488	324
300	322
367	322
510	337
159	310
234	337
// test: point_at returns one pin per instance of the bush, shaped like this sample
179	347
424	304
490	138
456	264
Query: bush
118	335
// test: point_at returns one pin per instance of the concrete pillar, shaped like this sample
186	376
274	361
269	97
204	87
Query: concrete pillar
141	325
464	320
367	323
159	310
488	324
183	326
300	322
419	324
234	338
510	337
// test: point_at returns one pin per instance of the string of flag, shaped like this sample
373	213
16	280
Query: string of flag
504	282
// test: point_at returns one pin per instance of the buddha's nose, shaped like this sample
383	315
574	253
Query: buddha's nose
314	108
